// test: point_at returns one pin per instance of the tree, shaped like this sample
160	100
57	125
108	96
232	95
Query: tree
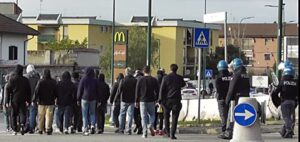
65	44
212	59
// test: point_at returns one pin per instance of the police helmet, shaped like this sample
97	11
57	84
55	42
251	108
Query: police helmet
222	65
288	71
288	63
237	62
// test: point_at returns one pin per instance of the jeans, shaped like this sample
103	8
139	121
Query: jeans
19	110
223	111
175	107
115	114
88	113
58	119
7	114
147	113
45	113
65	113
32	117
129	108
287	108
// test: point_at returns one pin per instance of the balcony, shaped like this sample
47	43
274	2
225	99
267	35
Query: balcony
46	38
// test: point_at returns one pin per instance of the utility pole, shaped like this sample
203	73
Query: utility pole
149	32
279	37
113	43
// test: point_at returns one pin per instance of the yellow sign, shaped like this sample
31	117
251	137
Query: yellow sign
120	37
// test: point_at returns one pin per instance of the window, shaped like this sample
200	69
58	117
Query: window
65	32
13	53
104	29
268	56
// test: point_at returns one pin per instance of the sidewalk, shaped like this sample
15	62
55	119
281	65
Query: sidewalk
270	127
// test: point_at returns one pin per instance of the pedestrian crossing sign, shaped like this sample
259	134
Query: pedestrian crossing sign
201	38
208	73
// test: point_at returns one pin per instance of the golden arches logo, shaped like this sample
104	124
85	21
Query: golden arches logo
119	37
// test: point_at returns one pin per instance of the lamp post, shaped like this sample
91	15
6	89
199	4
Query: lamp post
113	43
149	34
279	34
240	43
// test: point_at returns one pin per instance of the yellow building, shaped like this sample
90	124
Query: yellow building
175	38
56	27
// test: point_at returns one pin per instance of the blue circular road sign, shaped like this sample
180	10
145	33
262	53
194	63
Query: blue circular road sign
245	114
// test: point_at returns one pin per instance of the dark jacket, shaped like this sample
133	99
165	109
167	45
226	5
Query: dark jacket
170	89
33	78
66	93
19	87
45	91
147	89
126	89
222	84
88	88
104	90
114	98
160	76
288	88
239	86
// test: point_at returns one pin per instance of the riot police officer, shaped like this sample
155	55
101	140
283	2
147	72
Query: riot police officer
288	89
222	84
239	86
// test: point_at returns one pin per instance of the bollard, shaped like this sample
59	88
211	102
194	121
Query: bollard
246	125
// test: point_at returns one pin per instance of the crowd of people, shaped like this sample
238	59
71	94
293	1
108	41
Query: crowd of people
32	102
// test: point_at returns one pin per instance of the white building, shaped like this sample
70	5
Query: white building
13	41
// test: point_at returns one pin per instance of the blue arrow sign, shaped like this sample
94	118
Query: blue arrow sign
245	114
201	38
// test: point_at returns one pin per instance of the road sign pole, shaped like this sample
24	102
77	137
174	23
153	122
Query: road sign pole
149	34
113	44
199	83
225	37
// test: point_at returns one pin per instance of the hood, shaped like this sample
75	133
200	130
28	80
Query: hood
66	76
30	68
47	74
89	71
101	77
19	70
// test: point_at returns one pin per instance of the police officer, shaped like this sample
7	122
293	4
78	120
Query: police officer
288	89
239	86
222	84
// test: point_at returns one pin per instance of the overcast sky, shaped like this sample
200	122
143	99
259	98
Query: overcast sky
186	9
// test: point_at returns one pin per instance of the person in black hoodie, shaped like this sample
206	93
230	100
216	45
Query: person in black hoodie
45	95
65	97
239	86
76	111
170	98
127	92
137	115
87	95
102	103
222	84
19	87
115	100
159	115
147	89
33	77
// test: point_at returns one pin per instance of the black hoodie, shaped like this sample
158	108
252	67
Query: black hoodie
66	93
104	90
45	91
19	87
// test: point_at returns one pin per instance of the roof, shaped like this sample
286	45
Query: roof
48	17
140	19
8	25
259	30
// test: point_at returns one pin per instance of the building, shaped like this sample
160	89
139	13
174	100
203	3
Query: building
14	37
258	41
11	10
175	38
55	27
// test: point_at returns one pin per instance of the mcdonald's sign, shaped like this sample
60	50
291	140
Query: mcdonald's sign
120	37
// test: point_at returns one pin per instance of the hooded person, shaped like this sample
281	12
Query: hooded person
87	95
76	110
45	95
33	76
65	99
102	103
19	86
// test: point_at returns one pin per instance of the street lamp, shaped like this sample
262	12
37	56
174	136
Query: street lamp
279	36
239	31
113	43
149	34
